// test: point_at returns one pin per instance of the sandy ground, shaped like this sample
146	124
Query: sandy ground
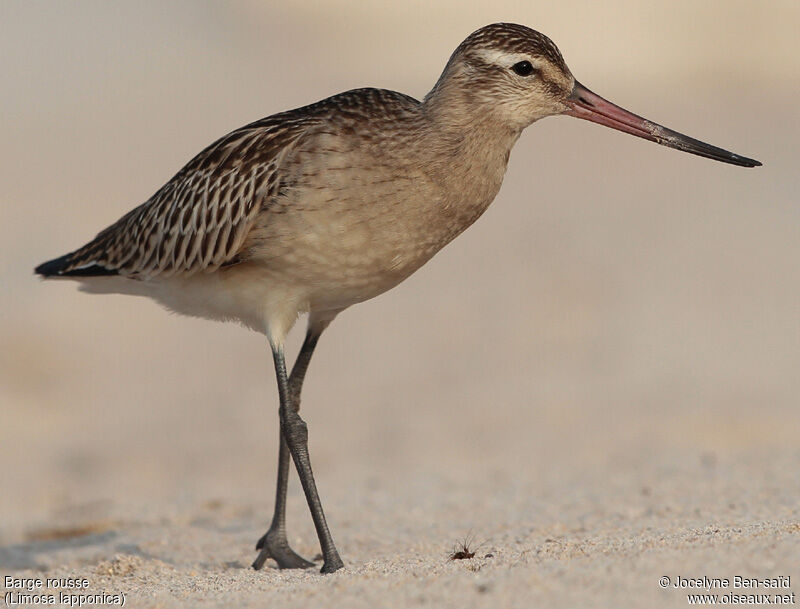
597	383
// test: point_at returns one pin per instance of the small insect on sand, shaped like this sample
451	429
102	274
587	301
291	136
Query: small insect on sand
463	549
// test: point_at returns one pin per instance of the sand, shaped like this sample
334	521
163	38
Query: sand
596	384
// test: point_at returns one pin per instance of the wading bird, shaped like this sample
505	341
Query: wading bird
318	208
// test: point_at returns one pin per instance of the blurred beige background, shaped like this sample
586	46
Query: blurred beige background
611	353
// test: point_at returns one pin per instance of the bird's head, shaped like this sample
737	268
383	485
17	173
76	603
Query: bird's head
514	76
509	72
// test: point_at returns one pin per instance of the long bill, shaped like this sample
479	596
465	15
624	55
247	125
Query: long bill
591	107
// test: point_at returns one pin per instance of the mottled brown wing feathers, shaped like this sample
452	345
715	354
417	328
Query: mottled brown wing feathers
198	220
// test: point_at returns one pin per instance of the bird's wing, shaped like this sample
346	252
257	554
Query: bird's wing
198	220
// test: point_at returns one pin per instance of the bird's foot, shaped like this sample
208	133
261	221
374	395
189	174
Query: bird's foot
276	547
332	564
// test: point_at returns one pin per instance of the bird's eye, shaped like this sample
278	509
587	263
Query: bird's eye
523	68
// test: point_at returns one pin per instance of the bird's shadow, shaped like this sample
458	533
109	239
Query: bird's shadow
29	555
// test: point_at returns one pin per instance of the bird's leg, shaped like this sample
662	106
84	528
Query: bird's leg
295	432
273	544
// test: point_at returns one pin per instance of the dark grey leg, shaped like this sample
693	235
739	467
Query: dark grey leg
295	435
273	544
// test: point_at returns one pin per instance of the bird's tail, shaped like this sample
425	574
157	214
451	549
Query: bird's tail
68	266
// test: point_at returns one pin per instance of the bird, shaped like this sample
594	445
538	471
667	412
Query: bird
315	209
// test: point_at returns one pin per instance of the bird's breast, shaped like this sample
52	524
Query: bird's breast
355	223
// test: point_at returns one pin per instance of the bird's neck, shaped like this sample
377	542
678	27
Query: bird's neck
457	110
464	130
467	152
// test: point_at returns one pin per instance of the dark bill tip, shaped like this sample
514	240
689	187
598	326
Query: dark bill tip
591	107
